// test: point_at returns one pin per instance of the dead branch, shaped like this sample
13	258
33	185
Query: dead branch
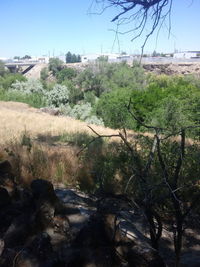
140	12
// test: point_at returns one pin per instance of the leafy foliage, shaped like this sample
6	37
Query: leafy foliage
66	74
44	74
28	87
55	65
72	58
7	80
170	102
59	95
2	68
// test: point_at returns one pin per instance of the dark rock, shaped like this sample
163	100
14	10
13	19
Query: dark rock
40	230
37	253
43	189
4	198
19	231
5	169
61	225
51	111
144	257
2	244
7	258
7	177
129	242
44	215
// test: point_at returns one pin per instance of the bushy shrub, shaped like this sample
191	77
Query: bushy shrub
94	120
65	109
28	87
44	74
66	74
55	65
3	70
111	107
59	95
170	102
35	100
75	94
7	80
81	111
103	77
89	97
170	114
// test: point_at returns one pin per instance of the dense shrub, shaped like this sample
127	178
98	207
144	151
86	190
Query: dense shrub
55	65
59	95
44	74
75	94
66	74
81	112
35	100
7	80
104	77
28	87
170	102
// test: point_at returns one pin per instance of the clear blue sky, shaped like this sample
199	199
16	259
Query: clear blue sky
38	27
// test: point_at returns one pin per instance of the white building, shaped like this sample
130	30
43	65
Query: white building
111	57
89	57
187	54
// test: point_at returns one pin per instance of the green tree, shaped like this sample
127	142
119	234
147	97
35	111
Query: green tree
26	57
155	54
72	58
58	96
55	65
16	57
2	68
66	74
78	58
7	80
44	74
68	57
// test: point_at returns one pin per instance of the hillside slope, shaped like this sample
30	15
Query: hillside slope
16	118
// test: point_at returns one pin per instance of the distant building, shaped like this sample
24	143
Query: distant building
89	57
187	54
111	57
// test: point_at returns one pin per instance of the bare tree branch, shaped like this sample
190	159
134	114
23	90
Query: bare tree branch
143	12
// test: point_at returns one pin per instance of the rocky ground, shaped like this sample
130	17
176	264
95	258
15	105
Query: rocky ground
173	68
41	227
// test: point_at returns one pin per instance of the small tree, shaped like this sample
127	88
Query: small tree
66	74
55	65
68	57
72	58
26	57
2	68
58	96
44	74
16	57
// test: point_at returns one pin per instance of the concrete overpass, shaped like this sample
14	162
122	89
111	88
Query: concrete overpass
21	67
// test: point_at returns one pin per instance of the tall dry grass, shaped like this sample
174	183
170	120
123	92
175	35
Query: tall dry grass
16	118
28	140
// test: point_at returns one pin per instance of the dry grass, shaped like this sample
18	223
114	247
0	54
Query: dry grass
41	155
53	161
16	118
56	164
